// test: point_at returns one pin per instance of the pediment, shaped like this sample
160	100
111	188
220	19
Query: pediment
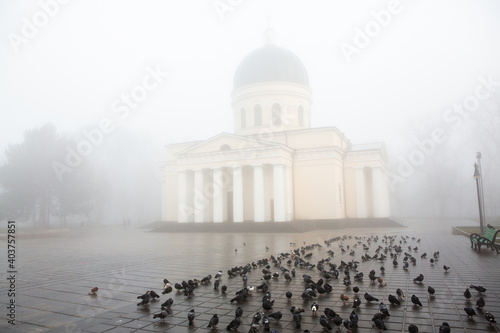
225	142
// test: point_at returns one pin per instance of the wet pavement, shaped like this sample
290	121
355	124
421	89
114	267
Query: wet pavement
55	274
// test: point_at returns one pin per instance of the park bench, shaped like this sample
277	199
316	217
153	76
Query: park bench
487	238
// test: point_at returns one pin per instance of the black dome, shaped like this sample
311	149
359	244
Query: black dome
270	63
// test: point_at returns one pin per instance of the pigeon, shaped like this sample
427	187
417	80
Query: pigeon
490	318
393	300
216	284
265	323
93	291
381	281
337	320
480	303
254	328
288	295
400	293
153	295
162	315
383	310
355	289
256	318
470	312
267	304
370	298
467	294
238	312
353	317
223	289
413	328
323	321
446	268
419	278
379	323
356	303
444	328
415	300
297	318
245	279
276	315
213	322
294	309
431	291
314	308
168	303
348	325
167	290
329	313
218	275
479	289
344	298
234	324
145	299
191	316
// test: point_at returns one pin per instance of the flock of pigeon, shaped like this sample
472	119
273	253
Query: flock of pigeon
286	266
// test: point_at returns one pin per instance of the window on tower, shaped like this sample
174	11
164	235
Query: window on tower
243	118
301	115
276	120
257	115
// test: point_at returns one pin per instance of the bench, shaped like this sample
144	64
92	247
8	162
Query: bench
487	238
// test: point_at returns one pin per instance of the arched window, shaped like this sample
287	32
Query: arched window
276	109
225	147
257	115
243	116
301	115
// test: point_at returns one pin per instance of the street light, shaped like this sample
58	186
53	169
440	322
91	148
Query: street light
477	177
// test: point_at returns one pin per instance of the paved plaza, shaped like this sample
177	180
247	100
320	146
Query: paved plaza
54	275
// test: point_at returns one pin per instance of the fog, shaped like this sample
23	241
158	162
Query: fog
425	82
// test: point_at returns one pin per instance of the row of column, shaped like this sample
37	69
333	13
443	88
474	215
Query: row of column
194	194
372	193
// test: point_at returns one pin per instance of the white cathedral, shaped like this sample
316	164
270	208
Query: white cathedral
274	167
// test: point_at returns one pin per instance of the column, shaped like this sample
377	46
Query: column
185	207
360	192
279	192
237	194
200	197
258	193
380	193
218	196
163	200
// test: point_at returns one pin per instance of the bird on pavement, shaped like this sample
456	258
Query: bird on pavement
329	313
314	308
444	328
323	321
276	315
479	289
238	312
419	278
470	312
467	294
413	328
415	300
266	324
393	300
288	295
344	298
480	303
297	318
337	320
93	291
431	291
400	294
446	268
370	298
214	321
356	303
191	316
234	324
145	299
168	303
162	315
490	318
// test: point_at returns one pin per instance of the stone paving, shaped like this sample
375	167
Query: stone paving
55	275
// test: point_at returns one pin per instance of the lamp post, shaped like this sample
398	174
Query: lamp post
477	177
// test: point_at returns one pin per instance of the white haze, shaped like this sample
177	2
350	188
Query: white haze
396	90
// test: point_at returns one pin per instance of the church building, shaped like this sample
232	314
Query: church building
274	167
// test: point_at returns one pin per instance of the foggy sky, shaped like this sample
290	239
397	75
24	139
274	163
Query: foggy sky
73	71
